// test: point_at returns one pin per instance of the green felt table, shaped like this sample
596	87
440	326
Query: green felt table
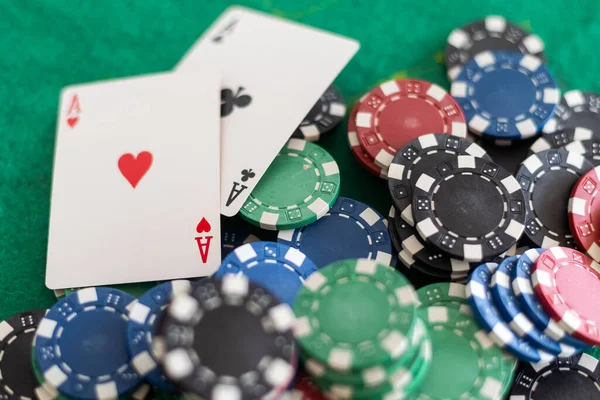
45	45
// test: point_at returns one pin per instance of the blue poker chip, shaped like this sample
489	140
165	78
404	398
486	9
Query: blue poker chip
529	303
350	229
486	314
507	304
81	345
506	95
275	266
143	320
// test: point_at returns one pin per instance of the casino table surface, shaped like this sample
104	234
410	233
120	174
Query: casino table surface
45	45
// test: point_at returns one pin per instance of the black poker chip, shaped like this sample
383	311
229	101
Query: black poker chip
590	149
561	138
420	155
576	109
492	33
324	116
228	339
436	262
17	378
575	377
580	140
546	179
469	208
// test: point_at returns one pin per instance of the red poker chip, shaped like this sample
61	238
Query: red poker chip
567	284
584	210
361	155
398	111
305	389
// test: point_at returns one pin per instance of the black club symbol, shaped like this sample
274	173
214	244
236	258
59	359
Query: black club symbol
247	174
229	100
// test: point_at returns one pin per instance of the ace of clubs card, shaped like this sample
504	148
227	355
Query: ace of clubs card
274	71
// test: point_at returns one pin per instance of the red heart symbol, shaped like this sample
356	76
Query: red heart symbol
203	226
134	168
72	121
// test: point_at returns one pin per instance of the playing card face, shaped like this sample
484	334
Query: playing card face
136	177
273	72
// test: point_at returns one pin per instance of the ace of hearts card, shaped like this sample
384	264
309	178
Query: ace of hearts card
135	185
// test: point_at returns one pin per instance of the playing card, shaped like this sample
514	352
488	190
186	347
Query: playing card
136	177
273	72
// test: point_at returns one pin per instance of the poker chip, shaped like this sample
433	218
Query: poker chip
81	345
530	305
374	376
17	378
576	109
297	189
488	317
566	282
361	155
350	229
141	341
419	156
228	339
492	33
561	139
380	382
546	179
422	367
392	230
445	294
590	149
44	391
508	307
416	272
465	364
398	111
277	267
583	209
506	95
232	238
323	118
136	289
488	226
409	262
429	256
355	287
574	377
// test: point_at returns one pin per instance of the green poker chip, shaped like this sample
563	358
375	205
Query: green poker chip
298	188
355	314
467	365
373	376
421	367
509	369
399	383
446	294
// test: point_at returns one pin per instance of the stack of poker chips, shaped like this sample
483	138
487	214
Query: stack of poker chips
359	332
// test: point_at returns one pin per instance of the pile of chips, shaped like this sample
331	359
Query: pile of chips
359	333
539	308
492	184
